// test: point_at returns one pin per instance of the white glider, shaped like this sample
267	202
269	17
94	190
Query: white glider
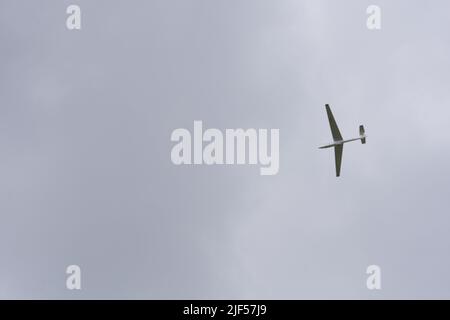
338	143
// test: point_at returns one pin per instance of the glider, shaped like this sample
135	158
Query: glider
338	141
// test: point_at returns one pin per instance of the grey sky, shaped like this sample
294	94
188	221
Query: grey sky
85	170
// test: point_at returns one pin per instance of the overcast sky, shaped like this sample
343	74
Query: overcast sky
85	170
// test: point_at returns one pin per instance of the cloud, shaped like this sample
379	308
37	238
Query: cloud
85	123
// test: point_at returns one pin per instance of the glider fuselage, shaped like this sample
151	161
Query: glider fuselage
336	143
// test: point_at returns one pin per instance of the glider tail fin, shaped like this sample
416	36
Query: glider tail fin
362	134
